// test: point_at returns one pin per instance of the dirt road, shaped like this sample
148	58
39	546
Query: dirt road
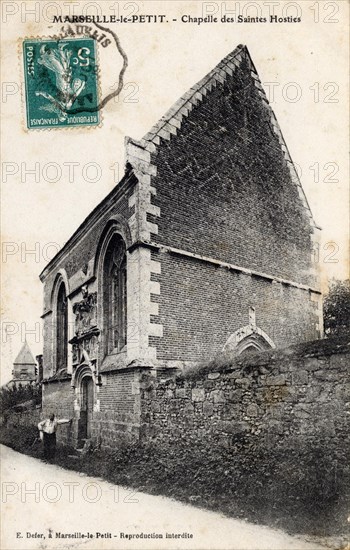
45	506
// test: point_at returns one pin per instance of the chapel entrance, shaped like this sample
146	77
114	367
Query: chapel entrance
87	407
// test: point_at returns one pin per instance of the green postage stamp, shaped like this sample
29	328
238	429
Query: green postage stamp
61	88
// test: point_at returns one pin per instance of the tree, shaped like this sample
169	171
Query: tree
336	308
13	395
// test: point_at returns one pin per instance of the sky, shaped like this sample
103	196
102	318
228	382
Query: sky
52	179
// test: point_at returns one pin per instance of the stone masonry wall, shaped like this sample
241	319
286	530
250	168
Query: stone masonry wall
116	414
118	420
58	398
300	394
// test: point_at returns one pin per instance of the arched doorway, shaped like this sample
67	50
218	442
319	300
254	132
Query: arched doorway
86	408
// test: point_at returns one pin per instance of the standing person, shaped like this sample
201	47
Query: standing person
48	430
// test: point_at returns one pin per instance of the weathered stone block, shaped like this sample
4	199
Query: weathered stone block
275	427
208	408
218	396
188	408
340	362
325	427
302	411
198	394
239	427
233	427
252	410
209	384
286	366
277	380
213	375
300	377
155	406
313	363
198	406
234	396
342	391
326	376
312	394
263	370
242	382
174	405
180	392
234	374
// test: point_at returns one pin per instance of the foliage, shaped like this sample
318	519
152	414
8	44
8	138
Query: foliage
22	438
10	396
290	485
336	308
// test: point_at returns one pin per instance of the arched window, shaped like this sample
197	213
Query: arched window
62	328
248	339
250	347
114	295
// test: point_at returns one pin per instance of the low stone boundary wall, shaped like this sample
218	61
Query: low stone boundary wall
300	393
293	397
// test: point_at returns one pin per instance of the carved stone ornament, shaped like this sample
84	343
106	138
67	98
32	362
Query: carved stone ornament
85	312
86	340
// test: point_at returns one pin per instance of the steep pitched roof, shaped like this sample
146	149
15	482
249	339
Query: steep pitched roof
171	122
25	356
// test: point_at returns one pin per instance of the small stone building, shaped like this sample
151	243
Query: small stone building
206	244
24	368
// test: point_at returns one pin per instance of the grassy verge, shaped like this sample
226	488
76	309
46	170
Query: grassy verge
299	490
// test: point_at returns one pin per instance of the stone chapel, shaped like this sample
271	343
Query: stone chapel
207	244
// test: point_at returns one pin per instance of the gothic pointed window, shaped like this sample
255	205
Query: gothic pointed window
62	328
115	296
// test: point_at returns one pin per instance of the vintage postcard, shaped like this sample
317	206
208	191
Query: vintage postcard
175	275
